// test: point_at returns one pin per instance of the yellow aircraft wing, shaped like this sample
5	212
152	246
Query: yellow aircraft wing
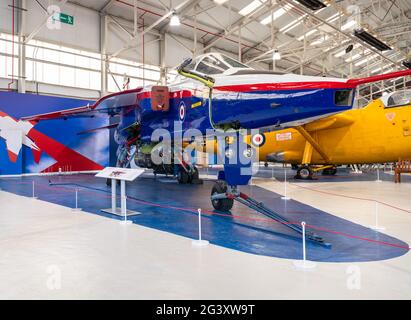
332	122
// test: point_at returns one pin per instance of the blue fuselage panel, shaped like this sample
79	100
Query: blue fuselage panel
249	110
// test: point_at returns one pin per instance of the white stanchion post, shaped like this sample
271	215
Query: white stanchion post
200	242
76	208
377	227
304	264
124	203
378	175
285	185
33	194
113	195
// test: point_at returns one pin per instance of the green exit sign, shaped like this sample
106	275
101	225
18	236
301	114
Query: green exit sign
65	18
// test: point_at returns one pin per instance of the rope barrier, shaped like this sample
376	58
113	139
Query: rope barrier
351	197
214	213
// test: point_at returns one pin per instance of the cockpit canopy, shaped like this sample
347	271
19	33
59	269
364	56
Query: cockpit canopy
215	64
396	99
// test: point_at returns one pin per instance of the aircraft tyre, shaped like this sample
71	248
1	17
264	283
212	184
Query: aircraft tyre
195	177
304	173
221	204
183	177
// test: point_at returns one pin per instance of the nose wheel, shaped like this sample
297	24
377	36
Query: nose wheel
219	199
223	196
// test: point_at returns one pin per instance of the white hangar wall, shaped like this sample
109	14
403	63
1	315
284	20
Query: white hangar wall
67	61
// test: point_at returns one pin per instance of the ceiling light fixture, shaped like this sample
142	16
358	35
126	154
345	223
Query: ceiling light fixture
276	55
174	20
407	64
371	40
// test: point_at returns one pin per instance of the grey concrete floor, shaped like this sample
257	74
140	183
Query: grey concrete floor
49	252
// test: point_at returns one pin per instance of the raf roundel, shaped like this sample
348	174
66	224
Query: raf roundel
258	139
182	111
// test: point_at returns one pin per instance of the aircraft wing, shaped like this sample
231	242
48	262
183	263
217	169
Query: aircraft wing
60	114
109	105
332	122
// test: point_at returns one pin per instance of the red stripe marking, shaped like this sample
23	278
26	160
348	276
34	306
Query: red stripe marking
285	86
391	75
173	95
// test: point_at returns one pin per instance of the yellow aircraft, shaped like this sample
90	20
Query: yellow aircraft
377	133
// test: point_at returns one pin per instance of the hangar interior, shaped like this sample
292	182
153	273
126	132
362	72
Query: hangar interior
64	54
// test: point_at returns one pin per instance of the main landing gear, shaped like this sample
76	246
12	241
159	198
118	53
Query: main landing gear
188	174
307	172
304	173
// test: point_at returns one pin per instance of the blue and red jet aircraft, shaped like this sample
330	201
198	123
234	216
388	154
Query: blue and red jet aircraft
215	92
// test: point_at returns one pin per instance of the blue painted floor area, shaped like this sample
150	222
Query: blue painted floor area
171	207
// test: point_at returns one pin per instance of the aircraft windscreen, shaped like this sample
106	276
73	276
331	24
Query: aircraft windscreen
400	98
211	65
234	63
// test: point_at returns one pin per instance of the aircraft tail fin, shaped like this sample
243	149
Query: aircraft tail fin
386	76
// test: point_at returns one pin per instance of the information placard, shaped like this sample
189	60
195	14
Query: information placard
125	174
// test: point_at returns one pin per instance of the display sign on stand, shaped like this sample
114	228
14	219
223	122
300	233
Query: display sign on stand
122	175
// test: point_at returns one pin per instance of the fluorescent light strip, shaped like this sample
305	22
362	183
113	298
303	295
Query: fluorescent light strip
348	25
251	7
357	55
363	61
383	67
298	21
320	40
220	2
307	34
276	14
340	54
292	24
376	70
333	17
